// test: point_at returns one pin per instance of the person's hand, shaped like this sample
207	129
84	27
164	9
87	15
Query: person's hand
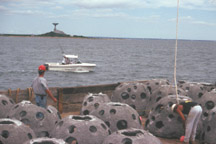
54	99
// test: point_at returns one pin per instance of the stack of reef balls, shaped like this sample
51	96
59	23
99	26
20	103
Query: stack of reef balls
111	119
161	121
25	122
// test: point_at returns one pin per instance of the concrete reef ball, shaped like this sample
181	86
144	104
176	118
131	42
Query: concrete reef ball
193	90
51	109
45	140
39	119
162	91
155	83
207	102
131	136
5	105
162	121
92	102
81	129
209	128
14	132
186	84
134	94
118	116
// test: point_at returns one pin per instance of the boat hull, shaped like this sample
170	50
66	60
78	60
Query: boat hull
78	68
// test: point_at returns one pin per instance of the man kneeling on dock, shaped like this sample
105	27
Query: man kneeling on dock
41	88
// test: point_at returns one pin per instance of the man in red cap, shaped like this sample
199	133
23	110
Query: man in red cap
41	88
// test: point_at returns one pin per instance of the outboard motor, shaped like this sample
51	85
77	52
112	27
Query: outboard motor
47	66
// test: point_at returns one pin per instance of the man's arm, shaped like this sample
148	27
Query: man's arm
46	88
179	111
51	95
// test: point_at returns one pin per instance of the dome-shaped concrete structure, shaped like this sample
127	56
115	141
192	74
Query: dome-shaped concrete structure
39	119
5	105
14	132
131	136
134	94
118	116
162	121
92	102
81	129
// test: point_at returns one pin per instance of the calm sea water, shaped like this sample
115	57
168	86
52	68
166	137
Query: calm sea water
117	60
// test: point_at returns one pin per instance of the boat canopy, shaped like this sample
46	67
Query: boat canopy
70	56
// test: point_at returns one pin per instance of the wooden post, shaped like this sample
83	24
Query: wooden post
17	94
9	92
30	94
60	100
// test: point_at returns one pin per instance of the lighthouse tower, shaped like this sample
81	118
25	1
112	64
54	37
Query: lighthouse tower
55	24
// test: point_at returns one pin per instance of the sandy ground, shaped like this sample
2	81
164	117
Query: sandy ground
163	140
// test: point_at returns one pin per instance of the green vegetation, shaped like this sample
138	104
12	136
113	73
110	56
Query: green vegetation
49	34
15	35
53	34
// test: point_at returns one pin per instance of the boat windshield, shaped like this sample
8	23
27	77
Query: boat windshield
75	61
70	59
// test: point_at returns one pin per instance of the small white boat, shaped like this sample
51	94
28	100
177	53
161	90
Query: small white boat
70	63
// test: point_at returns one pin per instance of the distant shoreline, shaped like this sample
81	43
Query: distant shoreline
31	35
89	37
40	36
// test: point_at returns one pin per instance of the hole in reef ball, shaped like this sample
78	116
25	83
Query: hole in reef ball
5	134
133	117
143	95
86	112
209	105
101	112
112	111
205	114
133	97
4	102
147	122
107	123
39	115
25	121
200	95
90	99
71	140
171	116
103	126
133	106
125	95
122	124
85	118
72	129
44	134
92	129
96	105
126	141
23	113
132	133
159	108
159	124
30	136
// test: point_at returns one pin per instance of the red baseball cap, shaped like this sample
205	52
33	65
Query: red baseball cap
42	68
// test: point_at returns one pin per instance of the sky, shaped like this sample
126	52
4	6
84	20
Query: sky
111	18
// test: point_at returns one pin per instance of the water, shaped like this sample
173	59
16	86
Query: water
117	60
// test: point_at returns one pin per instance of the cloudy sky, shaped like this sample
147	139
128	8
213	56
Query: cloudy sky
111	18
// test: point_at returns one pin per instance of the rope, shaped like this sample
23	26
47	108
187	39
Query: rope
176	47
